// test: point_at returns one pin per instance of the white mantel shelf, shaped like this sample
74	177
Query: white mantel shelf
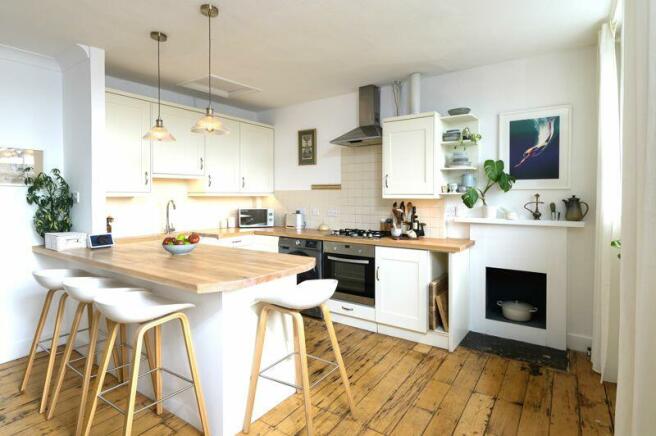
536	223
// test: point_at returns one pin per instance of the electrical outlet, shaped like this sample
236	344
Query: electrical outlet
331	212
315	211
76	197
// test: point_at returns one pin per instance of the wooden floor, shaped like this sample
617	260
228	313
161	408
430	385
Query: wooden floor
399	387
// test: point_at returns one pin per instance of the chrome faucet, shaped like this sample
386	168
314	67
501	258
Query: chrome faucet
169	226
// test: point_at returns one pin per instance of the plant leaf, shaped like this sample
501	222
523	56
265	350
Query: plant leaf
470	197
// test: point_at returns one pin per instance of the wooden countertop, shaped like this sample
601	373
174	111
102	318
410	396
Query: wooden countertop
207	269
444	245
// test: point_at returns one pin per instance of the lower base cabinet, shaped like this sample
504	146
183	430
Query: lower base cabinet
402	280
264	243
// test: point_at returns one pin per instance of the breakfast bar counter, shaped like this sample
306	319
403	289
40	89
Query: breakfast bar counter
225	285
207	269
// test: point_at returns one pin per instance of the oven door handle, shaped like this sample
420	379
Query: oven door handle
341	259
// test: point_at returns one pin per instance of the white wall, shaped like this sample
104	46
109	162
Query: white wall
567	77
331	117
175	97
30	117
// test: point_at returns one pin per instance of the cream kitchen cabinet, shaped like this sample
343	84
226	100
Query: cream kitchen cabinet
256	159
412	156
222	161
402	280
240	162
247	242
184	157
128	156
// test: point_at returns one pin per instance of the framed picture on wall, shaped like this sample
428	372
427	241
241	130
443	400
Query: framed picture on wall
307	147
535	146
13	162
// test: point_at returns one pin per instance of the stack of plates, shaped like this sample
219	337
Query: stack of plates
451	135
460	159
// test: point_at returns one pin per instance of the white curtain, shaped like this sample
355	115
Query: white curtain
606	278
636	387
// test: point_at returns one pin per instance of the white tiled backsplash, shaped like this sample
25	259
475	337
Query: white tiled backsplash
359	204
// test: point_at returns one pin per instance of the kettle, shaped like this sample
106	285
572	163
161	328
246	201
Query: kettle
573	211
296	220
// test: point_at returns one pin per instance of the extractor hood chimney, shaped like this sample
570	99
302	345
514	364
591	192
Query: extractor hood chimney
369	131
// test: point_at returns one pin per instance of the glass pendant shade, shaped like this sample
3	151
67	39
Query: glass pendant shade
210	124
158	132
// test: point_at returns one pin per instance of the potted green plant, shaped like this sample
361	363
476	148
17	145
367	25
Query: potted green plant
53	199
496	176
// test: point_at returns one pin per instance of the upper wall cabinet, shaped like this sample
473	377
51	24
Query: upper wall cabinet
411	156
127	120
240	162
222	160
256	157
184	157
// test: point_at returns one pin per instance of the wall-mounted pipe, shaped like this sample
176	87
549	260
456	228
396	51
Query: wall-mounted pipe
415	93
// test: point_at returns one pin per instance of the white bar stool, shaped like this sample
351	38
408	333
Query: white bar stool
306	295
84	290
150	312
51	279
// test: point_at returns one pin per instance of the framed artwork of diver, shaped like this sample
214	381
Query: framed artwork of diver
535	146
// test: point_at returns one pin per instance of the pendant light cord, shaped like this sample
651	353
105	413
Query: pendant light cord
209	57
159	87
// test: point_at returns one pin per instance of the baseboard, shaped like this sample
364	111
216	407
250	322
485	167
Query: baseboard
578	342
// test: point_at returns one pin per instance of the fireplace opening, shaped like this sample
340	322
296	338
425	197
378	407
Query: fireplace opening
525	286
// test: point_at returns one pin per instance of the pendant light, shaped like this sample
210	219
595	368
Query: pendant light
158	132
209	124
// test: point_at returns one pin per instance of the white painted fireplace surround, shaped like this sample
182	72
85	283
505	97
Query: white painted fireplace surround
536	246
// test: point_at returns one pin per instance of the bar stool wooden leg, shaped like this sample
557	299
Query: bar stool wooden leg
134	379
124	352
115	355
37	337
53	352
112	330
305	378
338	356
255	368
155	376
297	359
89	322
158	364
88	367
191	356
63	364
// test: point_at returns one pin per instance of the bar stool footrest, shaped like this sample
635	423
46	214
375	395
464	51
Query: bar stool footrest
147	406
293	385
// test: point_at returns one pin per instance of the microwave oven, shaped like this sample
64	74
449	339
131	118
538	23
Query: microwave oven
255	217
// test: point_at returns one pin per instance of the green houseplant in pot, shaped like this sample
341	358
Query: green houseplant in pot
53	199
496	177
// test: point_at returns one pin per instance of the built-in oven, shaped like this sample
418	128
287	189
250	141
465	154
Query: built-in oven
307	248
353	266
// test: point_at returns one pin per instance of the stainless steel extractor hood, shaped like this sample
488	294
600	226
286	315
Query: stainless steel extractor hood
369	131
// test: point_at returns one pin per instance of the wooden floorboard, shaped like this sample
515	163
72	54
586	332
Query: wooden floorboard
399	388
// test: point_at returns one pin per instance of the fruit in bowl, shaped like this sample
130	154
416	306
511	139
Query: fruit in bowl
181	244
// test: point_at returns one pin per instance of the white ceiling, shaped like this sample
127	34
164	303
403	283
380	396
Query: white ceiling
299	50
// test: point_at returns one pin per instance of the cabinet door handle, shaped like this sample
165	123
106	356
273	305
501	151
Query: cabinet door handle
378	273
386	180
146	177
201	163
348	309
209	180
243	182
